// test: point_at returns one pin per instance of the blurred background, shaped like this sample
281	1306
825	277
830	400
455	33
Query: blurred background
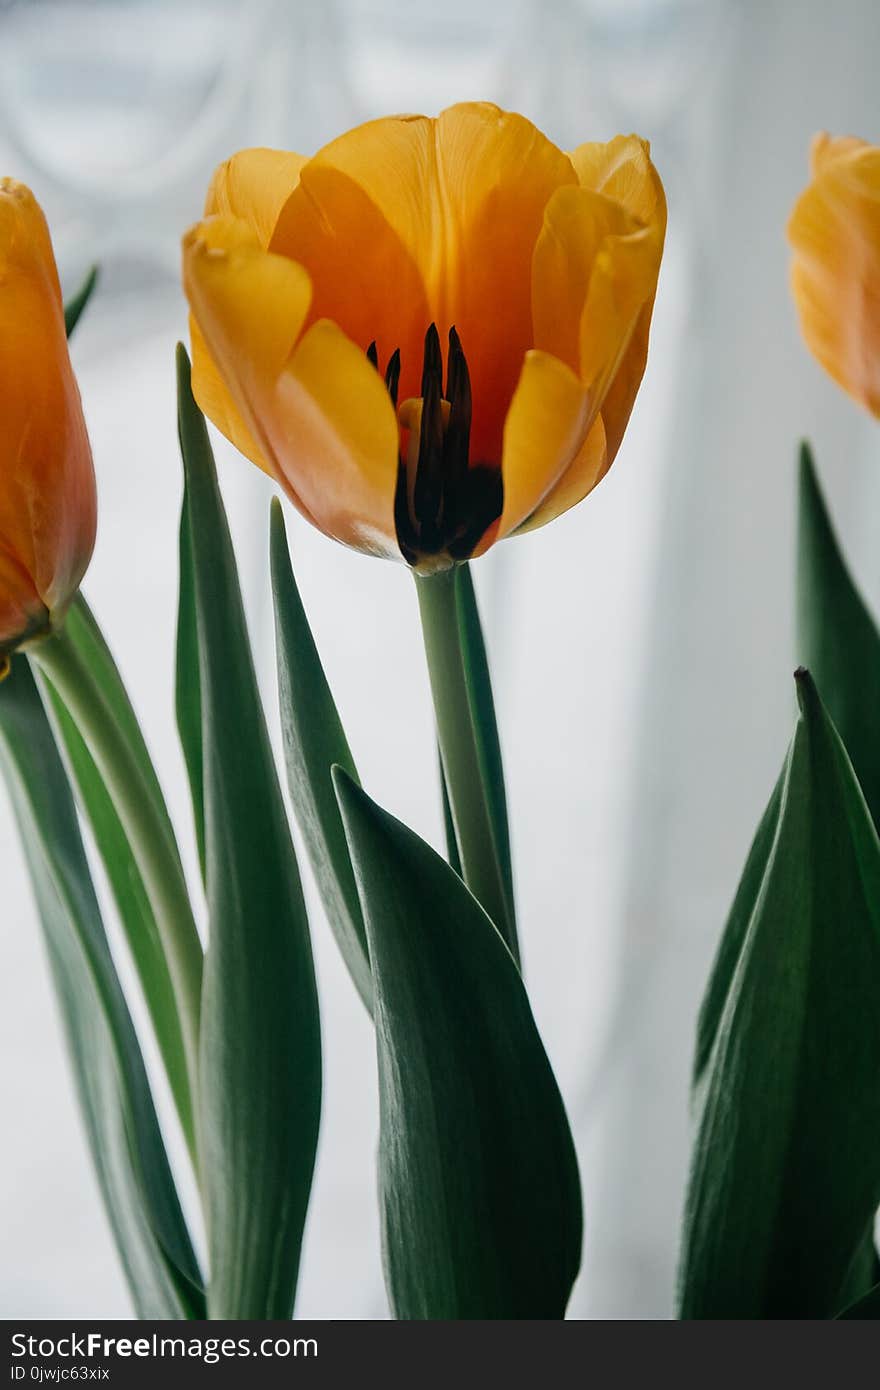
642	645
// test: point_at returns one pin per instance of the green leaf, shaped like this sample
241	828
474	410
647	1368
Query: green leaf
480	1196
74	306
126	882
260	1044
187	688
114	1093
837	637
314	740
479	687
132	902
83	631
730	949
785	1177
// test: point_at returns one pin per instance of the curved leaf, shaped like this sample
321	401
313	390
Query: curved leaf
121	1124
187	684
480	1196
837	637
314	740
132	902
260	1072
785	1177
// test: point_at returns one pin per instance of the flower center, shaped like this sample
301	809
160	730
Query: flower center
443	504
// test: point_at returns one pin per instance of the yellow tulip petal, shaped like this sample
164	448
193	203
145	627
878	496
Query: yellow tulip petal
835	233
47	482
594	278
334	435
621	169
826	150
216	400
578	225
545	428
253	186
588	468
363	277
462	198
249	307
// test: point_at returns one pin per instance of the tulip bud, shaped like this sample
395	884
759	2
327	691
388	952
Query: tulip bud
835	233
47	481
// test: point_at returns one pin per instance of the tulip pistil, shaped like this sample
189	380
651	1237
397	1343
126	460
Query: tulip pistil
443	504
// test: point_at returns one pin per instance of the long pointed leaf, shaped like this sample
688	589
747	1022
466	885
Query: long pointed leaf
187	688
314	740
837	637
132	902
786	1170
260	1045
74	306
480	1196
121	1124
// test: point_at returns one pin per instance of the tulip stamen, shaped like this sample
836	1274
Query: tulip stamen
392	376
443	504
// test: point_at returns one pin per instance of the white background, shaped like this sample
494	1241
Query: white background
642	645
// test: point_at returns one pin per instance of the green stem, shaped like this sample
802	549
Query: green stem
145	823
459	750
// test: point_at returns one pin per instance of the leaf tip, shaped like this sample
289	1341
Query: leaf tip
807	694
346	788
184	371
278	551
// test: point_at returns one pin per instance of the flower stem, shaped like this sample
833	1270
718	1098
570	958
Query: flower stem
144	818
466	789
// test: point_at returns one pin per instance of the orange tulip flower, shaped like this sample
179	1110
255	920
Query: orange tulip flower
47	482
323	292
835	233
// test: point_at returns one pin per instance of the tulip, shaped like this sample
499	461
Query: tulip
47	482
835	233
433	332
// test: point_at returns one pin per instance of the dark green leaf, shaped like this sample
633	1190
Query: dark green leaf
786	1170
479	1187
74	306
314	740
730	948
261	1052
121	1124
837	638
188	694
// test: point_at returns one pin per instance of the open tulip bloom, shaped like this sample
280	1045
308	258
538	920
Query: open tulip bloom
431	335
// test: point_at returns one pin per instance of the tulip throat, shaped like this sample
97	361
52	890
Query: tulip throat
443	504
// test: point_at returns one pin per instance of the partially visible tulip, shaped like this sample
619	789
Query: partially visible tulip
47	482
326	292
835	233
